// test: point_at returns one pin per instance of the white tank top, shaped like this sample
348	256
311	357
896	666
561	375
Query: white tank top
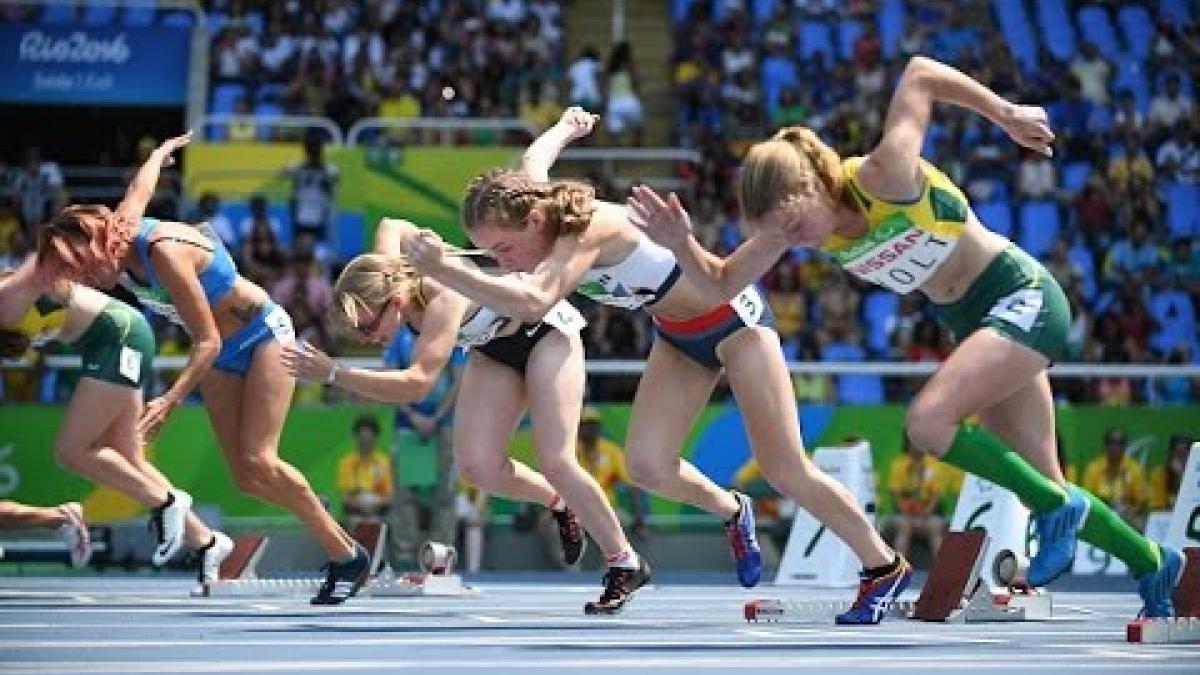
643	277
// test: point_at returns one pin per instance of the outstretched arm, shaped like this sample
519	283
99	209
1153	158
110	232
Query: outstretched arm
892	169
543	152
141	188
720	279
526	297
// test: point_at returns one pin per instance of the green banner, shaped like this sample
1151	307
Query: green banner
315	437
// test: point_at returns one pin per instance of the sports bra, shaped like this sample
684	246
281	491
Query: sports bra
216	279
42	321
641	279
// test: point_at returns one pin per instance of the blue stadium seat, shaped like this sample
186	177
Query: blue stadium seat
816	38
59	13
1082	256
1182	201
1131	74
996	216
1018	33
891	26
282	213
224	96
236	212
1186	86
680	9
1096	27
1075	175
1177	11
266	111
848	32
1138	27
139	15
776	73
98	13
351	235
270	92
1058	32
1040	225
761	10
878	309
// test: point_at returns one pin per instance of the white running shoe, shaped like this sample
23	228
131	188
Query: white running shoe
212	557
167	523
75	535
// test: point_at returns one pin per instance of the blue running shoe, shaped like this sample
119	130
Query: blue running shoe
875	596
1157	588
1058	534
744	542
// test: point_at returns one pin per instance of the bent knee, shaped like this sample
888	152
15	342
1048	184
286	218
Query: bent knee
930	427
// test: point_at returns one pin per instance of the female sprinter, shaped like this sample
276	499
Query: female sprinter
511	366
564	240
893	219
98	437
237	334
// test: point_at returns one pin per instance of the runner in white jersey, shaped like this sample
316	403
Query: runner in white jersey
512	365
564	239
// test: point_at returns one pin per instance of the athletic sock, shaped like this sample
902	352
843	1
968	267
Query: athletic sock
978	452
1108	531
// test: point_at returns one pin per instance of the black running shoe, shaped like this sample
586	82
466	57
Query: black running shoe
619	585
343	579
571	535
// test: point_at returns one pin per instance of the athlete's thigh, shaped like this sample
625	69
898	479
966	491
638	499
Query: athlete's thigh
1025	422
270	388
670	396
759	379
984	370
222	394
93	408
554	383
491	400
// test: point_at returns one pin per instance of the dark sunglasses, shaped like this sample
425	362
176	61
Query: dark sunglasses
368	329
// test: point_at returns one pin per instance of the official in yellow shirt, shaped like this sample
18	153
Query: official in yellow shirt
365	474
1117	479
605	461
917	482
1165	479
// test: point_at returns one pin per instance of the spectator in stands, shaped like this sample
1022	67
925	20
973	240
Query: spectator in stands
1178	389
1130	170
1093	73
260	257
930	343
1072	118
208	211
306	294
537	110
1185	263
957	41
244	129
789	302
623	112
1081	324
583	77
915	39
510	12
1094	212
13	244
1036	176
365	474
1178	158
916	483
39	189
1166	478
1118	479
1131	255
278	53
1169	106
1173	313
795	106
1127	118
314	183
605	460
811	387
837	301
258	212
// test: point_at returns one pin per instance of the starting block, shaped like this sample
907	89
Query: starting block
239	575
1185	627
953	593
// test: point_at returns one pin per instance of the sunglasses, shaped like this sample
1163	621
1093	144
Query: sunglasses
368	329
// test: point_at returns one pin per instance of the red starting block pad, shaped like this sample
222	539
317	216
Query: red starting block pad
953	593
1185	627
239	574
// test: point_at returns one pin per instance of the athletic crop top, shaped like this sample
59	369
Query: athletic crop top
42	321
217	278
641	279
907	241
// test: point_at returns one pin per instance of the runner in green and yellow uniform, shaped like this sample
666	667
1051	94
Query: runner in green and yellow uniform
892	219
98	438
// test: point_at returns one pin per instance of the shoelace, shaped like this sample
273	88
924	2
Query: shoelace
736	540
568	527
156	524
614	584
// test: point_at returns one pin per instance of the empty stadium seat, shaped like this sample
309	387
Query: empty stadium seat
891	26
1095	26
996	216
816	38
1040	226
1075	175
848	32
224	96
1181	201
1137	28
1177	11
1057	30
1018	33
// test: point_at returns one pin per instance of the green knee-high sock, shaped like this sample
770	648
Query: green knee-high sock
1108	531
978	452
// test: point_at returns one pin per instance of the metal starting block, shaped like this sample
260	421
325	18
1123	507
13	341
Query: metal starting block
1185	627
953	593
239	575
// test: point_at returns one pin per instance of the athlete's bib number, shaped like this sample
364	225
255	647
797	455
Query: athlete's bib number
748	305
280	325
1021	309
565	318
131	364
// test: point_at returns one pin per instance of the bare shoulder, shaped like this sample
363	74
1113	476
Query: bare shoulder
893	181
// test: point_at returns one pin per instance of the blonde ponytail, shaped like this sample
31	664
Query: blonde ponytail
367	282
795	162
